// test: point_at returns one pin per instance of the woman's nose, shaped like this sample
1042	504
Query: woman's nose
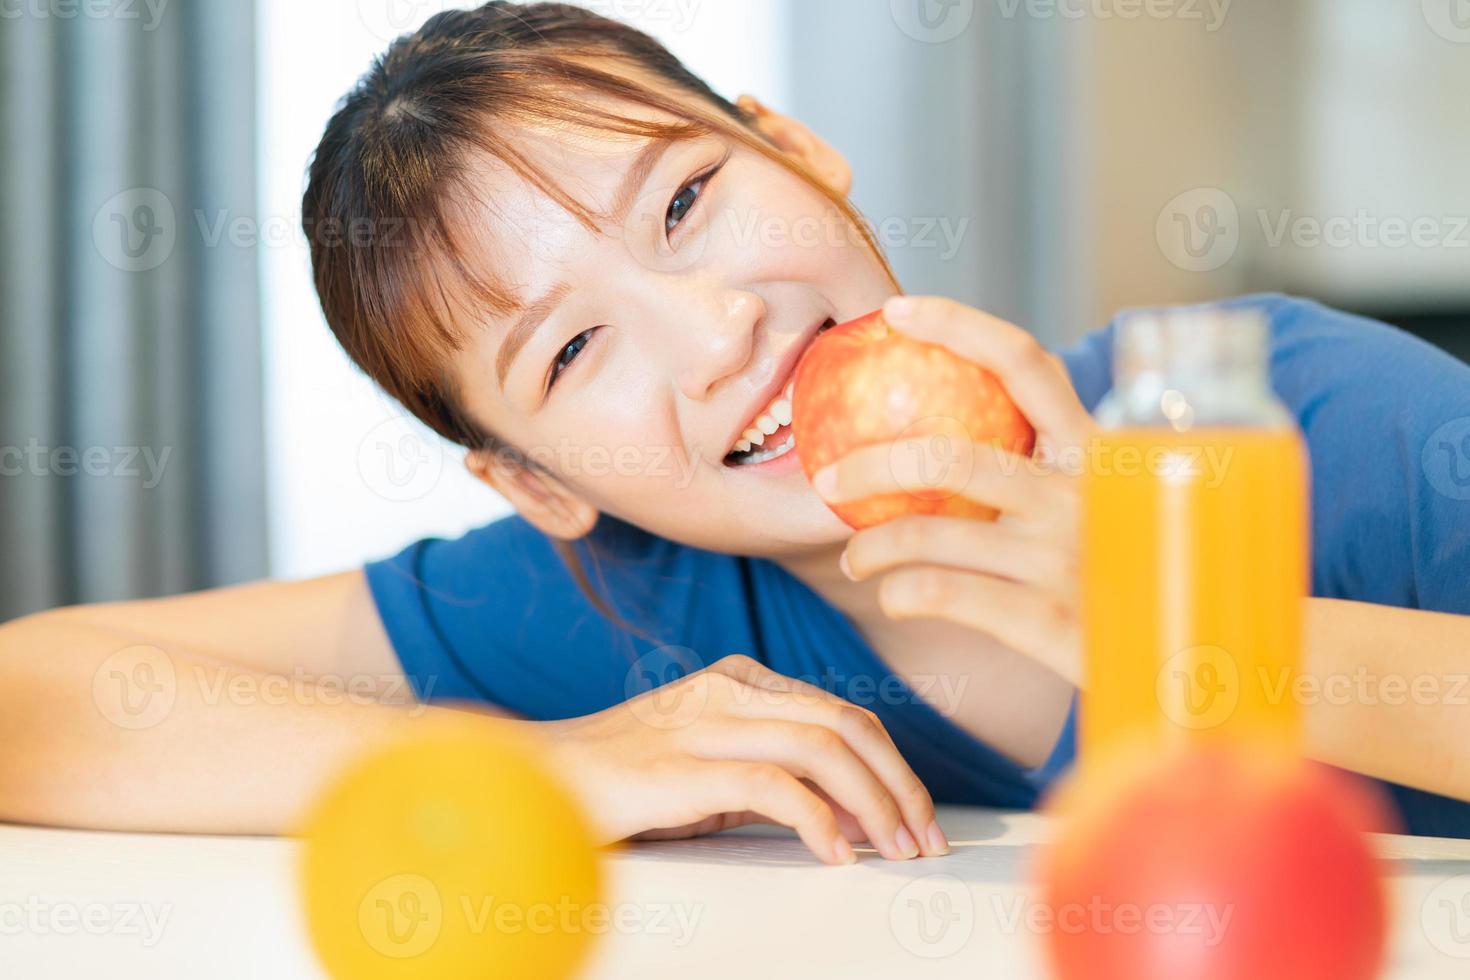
713	341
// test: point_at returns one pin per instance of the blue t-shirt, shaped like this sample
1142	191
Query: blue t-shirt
496	615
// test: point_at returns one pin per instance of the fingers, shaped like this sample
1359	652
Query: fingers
822	756
1035	381
1005	550
717	786
753	673
981	472
1038	622
863	736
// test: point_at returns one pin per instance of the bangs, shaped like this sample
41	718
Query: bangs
405	292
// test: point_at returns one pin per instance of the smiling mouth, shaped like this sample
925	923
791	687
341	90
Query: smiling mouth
768	435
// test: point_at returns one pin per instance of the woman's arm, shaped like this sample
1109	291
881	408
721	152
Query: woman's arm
1386	692
226	711
219	711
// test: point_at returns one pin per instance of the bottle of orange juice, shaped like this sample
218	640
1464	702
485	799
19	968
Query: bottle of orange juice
1195	538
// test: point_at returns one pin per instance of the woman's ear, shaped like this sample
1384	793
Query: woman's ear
544	501
795	139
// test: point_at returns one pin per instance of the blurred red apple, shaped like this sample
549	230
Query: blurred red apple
1218	862
863	383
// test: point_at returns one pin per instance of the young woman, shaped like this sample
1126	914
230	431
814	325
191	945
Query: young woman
526	225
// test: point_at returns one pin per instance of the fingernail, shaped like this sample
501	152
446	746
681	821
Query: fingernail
843	850
905	842
846	568
899	308
825	480
938	843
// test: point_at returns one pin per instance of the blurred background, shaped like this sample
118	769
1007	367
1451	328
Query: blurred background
174	413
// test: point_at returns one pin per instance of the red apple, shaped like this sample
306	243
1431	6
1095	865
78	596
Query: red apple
1216	862
863	383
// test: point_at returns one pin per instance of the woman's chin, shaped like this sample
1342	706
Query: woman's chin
788	520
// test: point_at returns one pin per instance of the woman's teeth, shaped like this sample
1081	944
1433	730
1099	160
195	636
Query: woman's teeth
780	449
770	425
777	415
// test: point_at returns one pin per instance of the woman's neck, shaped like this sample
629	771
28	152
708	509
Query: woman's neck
818	570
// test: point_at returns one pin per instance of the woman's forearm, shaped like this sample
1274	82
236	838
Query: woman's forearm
104	730
1386	692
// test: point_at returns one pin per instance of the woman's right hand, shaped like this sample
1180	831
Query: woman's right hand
737	743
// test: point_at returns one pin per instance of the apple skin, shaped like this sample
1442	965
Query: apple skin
863	383
1277	841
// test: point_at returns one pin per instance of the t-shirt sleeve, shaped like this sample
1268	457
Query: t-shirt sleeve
496	616
1386	418
1387	422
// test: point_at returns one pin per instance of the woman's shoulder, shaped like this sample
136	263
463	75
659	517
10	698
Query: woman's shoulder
510	554
498	614
1386	417
1317	352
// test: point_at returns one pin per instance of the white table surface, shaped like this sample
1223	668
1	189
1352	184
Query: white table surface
746	904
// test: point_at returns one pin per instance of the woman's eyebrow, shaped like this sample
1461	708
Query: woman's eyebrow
633	179
536	312
525	325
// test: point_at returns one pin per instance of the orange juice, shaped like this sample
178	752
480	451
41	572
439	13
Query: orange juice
1195	548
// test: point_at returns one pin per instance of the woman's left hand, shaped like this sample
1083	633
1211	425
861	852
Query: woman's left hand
1015	578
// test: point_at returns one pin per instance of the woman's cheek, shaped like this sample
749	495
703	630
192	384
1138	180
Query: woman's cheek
787	230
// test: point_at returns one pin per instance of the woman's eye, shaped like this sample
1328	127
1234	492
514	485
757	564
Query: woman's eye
682	202
568	354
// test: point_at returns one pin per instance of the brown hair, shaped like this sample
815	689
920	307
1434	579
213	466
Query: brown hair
379	201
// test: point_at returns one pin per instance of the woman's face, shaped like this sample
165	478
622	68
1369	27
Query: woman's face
644	351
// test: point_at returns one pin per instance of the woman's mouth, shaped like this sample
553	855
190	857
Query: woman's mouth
769	436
